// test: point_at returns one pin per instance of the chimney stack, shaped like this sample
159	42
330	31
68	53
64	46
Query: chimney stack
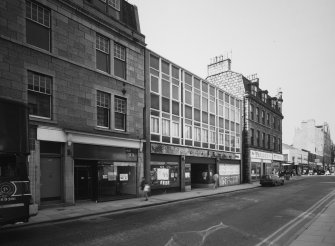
219	64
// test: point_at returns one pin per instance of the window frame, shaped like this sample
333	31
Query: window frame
101	40
39	92
121	111
120	55
45	24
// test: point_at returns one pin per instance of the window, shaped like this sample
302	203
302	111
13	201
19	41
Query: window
197	134
269	141
119	61
38	25
221	138
175	129
254	90
188	132
39	94
205	135
115	4
263	117
154	125
258	138
252	108
279	145
154	62
165	127
252	137
120	113
102	53
275	143
103	109
268	119
212	137
257	114
263	139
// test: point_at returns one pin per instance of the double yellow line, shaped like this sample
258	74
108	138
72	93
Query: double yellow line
282	231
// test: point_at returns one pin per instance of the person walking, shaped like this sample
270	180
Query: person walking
145	188
216	180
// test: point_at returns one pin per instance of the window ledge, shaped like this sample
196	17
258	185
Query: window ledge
111	130
42	119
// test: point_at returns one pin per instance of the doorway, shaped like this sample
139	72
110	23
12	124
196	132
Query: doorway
83	186
50	179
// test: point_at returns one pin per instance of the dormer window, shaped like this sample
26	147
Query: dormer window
254	90
114	4
274	103
264	97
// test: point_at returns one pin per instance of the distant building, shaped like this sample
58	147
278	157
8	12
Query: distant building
193	129
262	119
316	139
297	159
79	66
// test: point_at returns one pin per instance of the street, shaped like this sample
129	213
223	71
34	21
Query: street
253	217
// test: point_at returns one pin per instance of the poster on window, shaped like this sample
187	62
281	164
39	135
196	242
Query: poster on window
162	174
123	176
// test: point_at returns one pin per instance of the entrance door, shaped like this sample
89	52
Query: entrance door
83	182
50	179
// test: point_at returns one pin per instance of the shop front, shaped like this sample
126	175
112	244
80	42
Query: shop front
264	163
202	171
103	173
164	174
229	172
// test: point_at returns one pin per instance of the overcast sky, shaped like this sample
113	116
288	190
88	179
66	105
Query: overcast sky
290	44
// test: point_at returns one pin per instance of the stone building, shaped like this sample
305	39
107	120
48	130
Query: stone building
297	159
316	139
262	119
79	66
193	129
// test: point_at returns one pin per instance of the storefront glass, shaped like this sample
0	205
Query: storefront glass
164	175
255	171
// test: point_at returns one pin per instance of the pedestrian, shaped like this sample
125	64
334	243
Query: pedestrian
216	180
145	188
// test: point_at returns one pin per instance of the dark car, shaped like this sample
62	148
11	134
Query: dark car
272	180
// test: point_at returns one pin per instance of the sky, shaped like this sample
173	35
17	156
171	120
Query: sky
289	44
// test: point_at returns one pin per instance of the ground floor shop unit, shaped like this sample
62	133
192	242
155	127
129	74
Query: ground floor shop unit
264	163
179	169
67	167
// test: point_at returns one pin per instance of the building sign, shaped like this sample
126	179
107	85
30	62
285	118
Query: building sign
278	157
225	169
177	150
260	155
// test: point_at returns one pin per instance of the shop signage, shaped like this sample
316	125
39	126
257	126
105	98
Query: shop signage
278	157
260	155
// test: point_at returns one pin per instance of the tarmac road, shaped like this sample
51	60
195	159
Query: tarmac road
259	216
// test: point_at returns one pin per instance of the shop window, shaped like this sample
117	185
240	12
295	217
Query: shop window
163	175
38	25
39	94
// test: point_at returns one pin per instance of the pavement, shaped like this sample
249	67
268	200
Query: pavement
321	232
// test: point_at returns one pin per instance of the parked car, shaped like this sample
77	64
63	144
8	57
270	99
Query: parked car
271	179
